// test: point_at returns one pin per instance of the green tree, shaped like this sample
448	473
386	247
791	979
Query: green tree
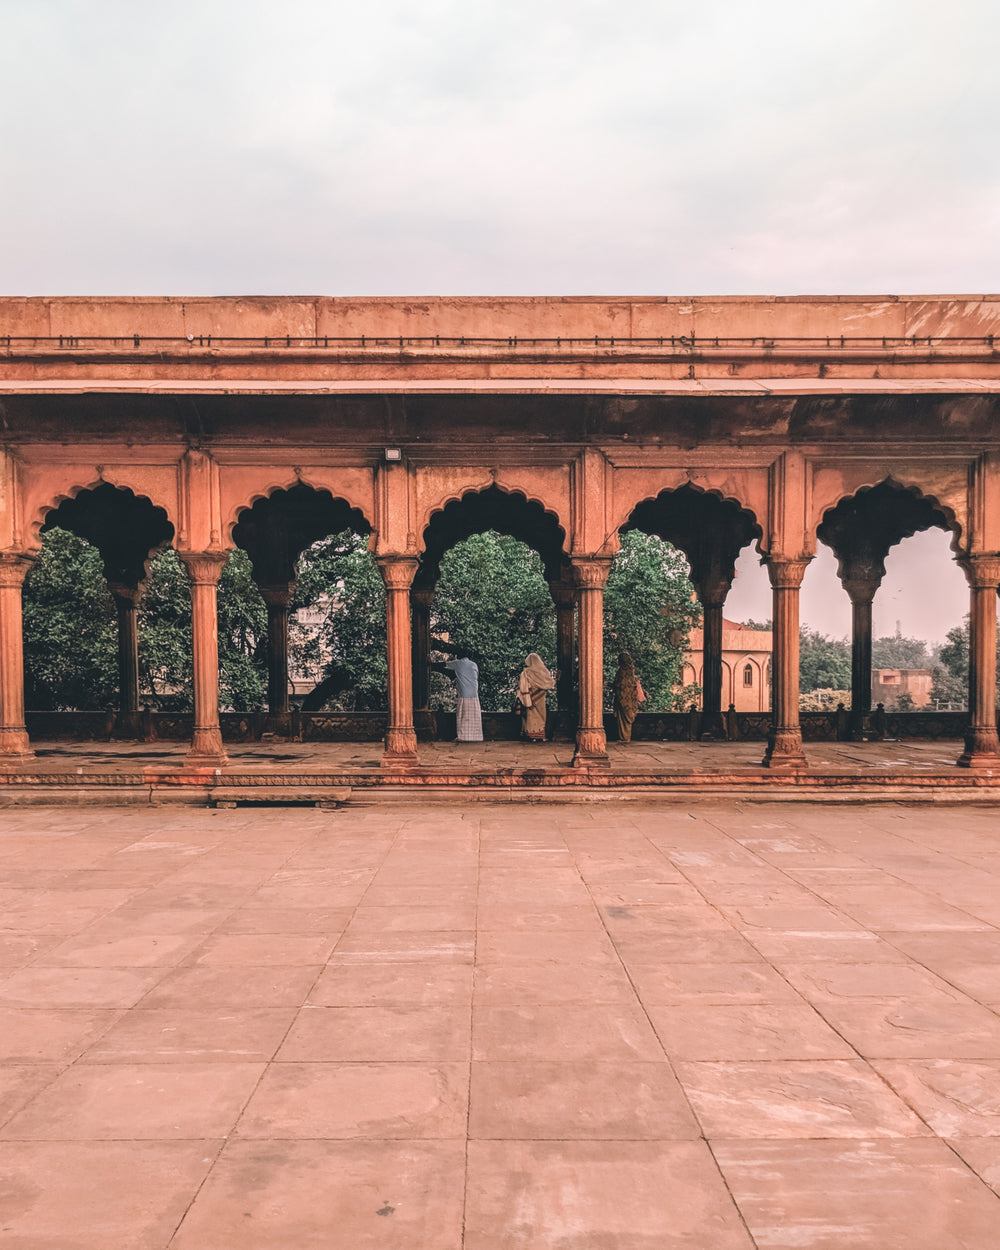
345	654
895	651
493	601
951	668
165	635
70	628
824	663
649	609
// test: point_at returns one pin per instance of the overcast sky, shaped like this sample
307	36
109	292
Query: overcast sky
433	147
555	147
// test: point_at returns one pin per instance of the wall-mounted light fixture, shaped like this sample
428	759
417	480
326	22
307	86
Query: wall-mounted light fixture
393	453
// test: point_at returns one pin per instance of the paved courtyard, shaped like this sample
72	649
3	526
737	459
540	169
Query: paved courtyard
584	1027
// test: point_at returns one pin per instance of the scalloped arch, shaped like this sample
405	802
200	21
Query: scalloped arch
687	484
479	488
288	483
40	515
952	522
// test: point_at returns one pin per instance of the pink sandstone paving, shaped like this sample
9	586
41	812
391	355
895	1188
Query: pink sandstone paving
615	1051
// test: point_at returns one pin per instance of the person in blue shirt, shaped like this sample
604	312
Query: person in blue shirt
468	714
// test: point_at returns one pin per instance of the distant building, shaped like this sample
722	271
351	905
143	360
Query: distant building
890	685
746	666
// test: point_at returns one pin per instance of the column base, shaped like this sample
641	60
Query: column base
401	750
127	726
591	749
207	750
982	750
15	747
784	752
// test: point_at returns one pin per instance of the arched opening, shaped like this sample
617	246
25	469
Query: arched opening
82	603
860	531
296	546
493	585
710	532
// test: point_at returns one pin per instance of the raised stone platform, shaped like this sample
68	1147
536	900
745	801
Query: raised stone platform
135	773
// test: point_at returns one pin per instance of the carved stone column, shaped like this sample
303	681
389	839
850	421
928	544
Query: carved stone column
126	605
401	737
421	601
564	597
861	594
14	745
712	602
982	748
278	599
784	743
591	742
204	569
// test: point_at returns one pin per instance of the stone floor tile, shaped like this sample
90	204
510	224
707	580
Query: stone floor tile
282	920
18	949
722	983
96	1195
385	984
44	1035
75	987
143	950
446	916
612	1032
751	919
704	947
810	947
390	948
754	1031
19	1084
909	1194
140	1102
550	983
982	1154
209	988
957	1098
317	1195
175	1036
868	980
915	1029
537	1100
507	916
782	1098
402	1032
374	1100
591	950
263	950
533	1195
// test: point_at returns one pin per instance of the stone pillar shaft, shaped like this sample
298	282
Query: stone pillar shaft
784	744
861	663
420	609
591	741
204	570
564	597
127	608
401	736
278	599
982	748
14	745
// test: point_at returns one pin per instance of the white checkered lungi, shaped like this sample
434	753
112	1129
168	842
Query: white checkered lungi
469	718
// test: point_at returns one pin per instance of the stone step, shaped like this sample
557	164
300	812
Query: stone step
326	797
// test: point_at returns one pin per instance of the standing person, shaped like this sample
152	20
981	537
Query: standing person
535	681
468	713
628	694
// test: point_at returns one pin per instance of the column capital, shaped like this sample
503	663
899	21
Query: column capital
397	572
423	596
14	567
204	567
591	572
128	596
563	593
279	596
786	574
982	570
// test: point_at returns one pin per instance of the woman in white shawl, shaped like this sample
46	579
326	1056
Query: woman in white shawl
532	687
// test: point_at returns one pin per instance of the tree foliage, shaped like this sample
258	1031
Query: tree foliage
70	629
345	654
492	600
648	610
895	651
824	663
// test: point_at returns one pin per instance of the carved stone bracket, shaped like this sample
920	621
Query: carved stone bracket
204	567
981	571
14	568
786	574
